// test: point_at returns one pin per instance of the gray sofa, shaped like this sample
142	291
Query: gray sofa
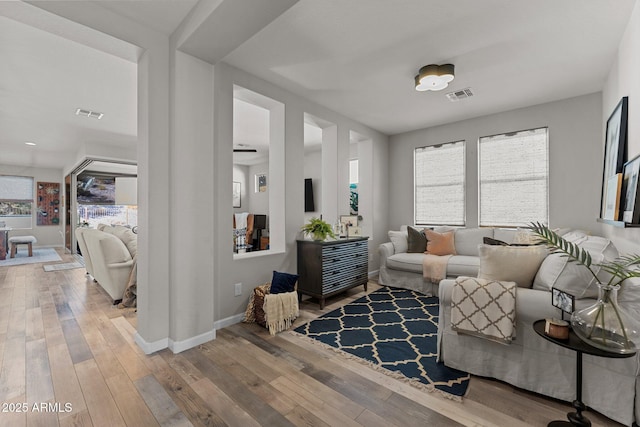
610	386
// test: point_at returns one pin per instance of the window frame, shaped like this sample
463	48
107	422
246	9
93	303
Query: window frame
30	201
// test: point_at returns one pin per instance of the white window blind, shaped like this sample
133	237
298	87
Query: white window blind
439	184
16	188
514	178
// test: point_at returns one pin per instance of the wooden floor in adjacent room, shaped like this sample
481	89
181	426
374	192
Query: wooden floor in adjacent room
62	344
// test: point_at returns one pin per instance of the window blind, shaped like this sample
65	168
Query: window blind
16	188
439	184
514	178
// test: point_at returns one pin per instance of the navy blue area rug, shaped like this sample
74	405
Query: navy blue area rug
395	329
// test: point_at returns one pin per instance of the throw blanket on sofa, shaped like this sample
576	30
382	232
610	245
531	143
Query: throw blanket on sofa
280	311
485	308
434	267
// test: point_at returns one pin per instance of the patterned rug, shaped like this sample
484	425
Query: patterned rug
395	329
39	255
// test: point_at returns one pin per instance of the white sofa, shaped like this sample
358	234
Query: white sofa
109	256
610	386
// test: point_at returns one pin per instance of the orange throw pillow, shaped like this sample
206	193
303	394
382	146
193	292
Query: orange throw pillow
440	243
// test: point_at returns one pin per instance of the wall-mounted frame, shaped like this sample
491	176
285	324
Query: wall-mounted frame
237	195
615	148
261	183
630	194
48	203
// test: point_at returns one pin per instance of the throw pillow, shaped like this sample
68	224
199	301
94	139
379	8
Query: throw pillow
511	263
283	282
440	243
494	242
416	241
399	240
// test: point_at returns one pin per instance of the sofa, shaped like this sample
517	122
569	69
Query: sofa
109	255
610	386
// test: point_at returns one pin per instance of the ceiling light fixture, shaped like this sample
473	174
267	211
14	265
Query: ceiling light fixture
88	113
30	143
434	77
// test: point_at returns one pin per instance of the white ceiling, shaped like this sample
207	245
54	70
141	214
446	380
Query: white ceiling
357	57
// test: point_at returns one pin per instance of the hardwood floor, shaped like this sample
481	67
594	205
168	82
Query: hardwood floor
66	350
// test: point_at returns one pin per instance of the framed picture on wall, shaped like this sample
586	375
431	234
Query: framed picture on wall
237	195
261	183
615	148
630	195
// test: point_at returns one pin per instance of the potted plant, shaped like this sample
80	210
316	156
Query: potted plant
318	229
604	324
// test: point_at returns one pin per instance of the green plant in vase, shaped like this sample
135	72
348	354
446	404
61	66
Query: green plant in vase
604	324
318	229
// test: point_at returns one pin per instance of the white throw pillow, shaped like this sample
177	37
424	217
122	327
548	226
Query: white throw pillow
399	240
511	263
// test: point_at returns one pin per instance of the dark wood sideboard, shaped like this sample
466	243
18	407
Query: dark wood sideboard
329	267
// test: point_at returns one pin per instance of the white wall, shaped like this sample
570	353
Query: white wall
241	175
624	80
47	235
258	202
255	270
575	152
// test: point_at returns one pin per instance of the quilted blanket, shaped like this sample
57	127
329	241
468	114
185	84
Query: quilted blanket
485	308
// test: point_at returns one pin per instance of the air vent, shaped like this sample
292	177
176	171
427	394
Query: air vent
459	94
88	113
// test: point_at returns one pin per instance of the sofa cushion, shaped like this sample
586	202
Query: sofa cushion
406	262
113	250
399	240
505	234
440	243
557	272
128	237
511	263
283	282
468	239
416	241
463	265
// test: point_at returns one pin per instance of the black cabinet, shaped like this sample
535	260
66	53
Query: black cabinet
330	267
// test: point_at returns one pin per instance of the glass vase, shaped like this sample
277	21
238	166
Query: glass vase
605	325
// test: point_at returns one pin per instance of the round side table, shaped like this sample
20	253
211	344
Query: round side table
576	344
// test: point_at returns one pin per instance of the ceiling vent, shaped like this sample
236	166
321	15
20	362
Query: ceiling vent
459	94
88	113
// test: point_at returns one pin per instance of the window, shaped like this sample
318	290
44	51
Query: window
513	173
16	200
439	184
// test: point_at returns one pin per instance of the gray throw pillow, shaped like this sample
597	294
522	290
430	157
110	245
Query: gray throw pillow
416	241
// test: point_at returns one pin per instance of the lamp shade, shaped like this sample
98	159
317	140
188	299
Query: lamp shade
434	77
126	190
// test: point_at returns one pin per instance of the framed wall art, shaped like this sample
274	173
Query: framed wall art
615	148
237	193
630	194
48	203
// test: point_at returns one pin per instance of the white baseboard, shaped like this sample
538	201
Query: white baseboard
223	323
151	347
180	346
373	273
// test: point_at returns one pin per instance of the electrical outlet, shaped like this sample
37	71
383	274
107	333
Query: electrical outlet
238	289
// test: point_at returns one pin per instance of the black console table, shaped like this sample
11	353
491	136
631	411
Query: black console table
326	268
576	344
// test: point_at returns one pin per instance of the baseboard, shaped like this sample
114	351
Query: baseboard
223	323
151	347
373	274
180	346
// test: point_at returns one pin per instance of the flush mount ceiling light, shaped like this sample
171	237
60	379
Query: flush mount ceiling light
88	113
434	77
30	143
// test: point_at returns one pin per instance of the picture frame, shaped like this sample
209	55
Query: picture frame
615	149
612	205
630	197
237	194
562	300
346	223
261	183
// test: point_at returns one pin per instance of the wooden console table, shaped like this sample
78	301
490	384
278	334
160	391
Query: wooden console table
330	267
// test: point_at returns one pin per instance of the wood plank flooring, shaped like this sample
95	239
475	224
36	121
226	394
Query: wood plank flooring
65	349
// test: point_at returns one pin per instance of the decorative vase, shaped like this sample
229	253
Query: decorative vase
605	325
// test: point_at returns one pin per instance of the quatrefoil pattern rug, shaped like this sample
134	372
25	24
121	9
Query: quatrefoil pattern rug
393	329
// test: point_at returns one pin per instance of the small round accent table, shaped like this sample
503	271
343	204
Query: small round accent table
576	344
